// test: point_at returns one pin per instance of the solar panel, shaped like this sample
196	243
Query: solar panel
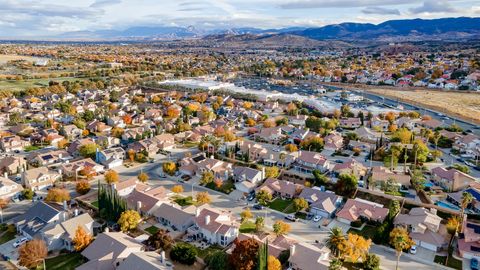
474	248
475	227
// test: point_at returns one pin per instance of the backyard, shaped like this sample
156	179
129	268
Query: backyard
68	261
452	262
152	230
247	227
281	205
367	231
184	201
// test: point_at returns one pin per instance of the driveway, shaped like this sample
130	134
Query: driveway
7	249
425	254
336	223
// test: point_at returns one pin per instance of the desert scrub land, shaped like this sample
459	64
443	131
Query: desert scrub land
463	105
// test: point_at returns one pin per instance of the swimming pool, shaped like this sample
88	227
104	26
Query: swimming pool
447	205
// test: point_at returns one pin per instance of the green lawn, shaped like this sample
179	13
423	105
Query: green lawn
29	83
32	148
280	204
301	215
227	187
95	203
202	253
7	236
247	227
367	231
152	229
65	262
452	262
184	201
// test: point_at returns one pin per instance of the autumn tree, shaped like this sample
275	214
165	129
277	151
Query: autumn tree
273	263
62	144
250	122
57	195
244	255
111	177
203	198
160	240
81	239
291	147
129	220
169	168
177	189
142	177
281	228
131	155
88	150
336	241
87	172
82	187
300	204
32	253
400	240
263	197
246	215
346	184
247	105
207	177
272	172
259	223
292	109
356	247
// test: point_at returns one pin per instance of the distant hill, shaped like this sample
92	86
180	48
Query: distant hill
415	29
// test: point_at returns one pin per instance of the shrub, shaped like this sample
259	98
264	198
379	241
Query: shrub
184	253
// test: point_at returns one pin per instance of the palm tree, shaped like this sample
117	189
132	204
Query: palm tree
467	199
452	227
400	240
282	157
335	241
436	138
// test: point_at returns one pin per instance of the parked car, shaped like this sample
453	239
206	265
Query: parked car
251	196
474	264
291	217
19	242
258	207
413	250
316	219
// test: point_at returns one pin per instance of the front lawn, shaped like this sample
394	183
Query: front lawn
203	253
367	231
95	204
227	187
68	261
247	227
280	204
32	148
184	201
452	262
152	230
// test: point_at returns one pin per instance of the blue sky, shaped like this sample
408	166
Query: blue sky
37	18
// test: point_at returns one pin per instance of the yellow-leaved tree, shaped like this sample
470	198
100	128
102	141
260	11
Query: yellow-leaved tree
82	239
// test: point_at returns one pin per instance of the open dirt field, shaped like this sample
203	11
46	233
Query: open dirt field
5	58
463	105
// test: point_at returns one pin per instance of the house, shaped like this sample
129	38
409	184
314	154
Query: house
304	256
215	226
323	204
111	157
164	141
72	132
365	134
146	199
379	124
333	142
146	261
380	175
423	226
72	169
469	244
355	209
148	146
271	135
40	178
220	169
13	143
74	147
126	187
60	235
35	218
254	151
276	244
179	219
308	161
452	179
120	246
351	122
280	188
8	188
48	157
351	166
246	179
12	165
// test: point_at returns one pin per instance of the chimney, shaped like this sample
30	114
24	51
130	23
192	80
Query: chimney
207	219
107	229
263	172
292	249
5	174
65	206
75	212
139	205
197	212
162	257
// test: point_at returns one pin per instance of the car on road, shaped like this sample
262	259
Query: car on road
19	242
339	161
258	207
316	219
291	217
413	250
186	177
474	264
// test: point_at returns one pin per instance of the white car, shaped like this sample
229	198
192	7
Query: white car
413	250
316	218
19	242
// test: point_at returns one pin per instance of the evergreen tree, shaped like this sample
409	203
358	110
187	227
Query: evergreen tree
263	257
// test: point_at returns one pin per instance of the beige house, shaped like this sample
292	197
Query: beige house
40	178
60	235
451	180
8	188
304	256
12	165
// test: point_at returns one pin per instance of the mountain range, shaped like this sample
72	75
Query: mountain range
411	29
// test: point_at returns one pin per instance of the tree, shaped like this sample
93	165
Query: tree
57	195
81	239
207	177
291	148
129	220
320	178
246	215
142	177
281	228
217	260
244	255
28	193
400	240
62	144
250	122
263	197
336	241
402	135
82	187
169	168
393	208
203	198
160	240
184	253
372	262
273	263
31	254
88	150
272	172
356	247
111	177
259	223
177	189
131	155
346	184
452	226
467	199
300	204
335	264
